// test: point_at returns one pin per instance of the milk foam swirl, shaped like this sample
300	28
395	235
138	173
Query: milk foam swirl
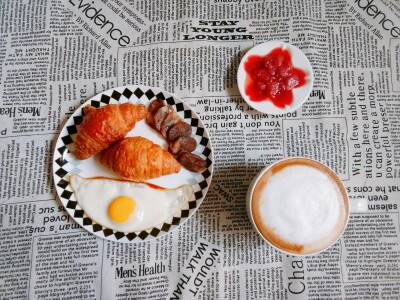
300	206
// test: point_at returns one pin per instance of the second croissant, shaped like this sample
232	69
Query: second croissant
139	159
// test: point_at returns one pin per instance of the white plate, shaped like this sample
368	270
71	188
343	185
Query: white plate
65	163
299	60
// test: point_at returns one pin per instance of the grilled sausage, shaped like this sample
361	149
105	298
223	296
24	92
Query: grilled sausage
152	109
161	114
178	130
182	144
171	119
192	162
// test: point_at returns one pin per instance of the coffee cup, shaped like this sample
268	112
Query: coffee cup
299	206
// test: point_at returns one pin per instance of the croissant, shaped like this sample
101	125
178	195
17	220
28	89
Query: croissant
104	126
139	159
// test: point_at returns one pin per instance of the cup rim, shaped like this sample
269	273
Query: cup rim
250	203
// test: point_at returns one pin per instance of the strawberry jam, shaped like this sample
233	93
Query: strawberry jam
272	77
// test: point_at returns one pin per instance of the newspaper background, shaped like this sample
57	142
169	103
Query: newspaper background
53	56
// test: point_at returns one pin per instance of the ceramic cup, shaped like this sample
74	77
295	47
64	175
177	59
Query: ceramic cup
281	202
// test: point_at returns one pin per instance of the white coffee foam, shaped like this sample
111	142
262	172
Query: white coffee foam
301	203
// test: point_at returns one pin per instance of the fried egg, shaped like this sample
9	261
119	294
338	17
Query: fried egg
128	206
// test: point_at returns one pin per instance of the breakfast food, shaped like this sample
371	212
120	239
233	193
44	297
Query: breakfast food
128	206
170	120
178	130
192	162
182	144
177	133
272	77
299	206
139	159
104	126
152	109
161	114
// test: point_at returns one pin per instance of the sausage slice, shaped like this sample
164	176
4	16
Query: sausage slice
161	114
152	109
178	130
192	162
170	120
182	144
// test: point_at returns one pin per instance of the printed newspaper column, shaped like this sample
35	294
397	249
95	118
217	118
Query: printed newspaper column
393	113
23	87
371	153
254	267
52	218
380	193
181	67
312	41
111	24
90	60
379	20
321	102
294	273
66	265
200	265
25	168
395	64
224	115
16	219
322	139
323	275
138	270
263	138
370	245
371	240
40	219
68	97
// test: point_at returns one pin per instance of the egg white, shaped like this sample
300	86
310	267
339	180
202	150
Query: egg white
153	205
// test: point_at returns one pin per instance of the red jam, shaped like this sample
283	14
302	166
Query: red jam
272	77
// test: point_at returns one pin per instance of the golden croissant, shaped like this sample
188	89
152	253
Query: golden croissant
104	126
139	159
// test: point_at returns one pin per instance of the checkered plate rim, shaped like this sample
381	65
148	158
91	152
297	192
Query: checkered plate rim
134	94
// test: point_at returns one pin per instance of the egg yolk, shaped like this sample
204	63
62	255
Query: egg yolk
120	209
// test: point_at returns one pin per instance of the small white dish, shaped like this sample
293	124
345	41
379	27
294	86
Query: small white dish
299	60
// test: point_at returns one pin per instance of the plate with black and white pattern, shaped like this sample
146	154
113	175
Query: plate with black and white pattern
65	163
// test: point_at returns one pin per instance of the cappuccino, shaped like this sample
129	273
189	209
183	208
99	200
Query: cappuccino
299	206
